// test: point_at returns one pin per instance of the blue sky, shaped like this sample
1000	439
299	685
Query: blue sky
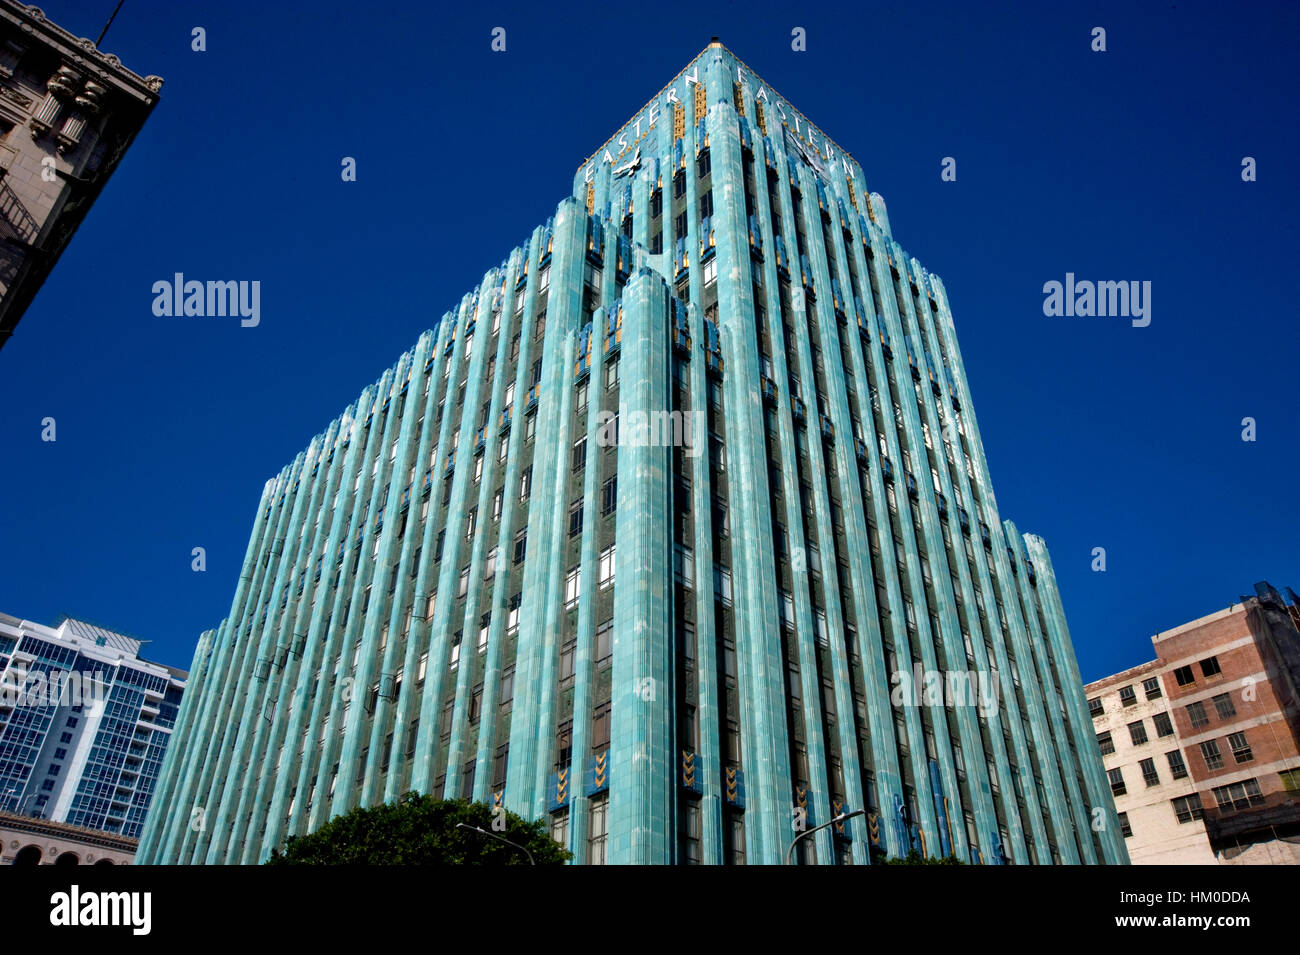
1117	165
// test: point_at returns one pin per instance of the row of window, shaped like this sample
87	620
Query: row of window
1184	675
1150	775
1242	795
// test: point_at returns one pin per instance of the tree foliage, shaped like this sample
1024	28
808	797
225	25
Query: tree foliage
913	857
422	830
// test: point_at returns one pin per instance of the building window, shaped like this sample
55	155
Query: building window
1105	742
1196	712
575	518
710	272
691	833
600	728
464	581
596	830
1188	808
526	483
560	827
521	545
604	645
1213	758
1176	765
1184	676
1210	667
722	585
609	496
1117	787
702	166
1095	707
684	565
1152	688
567	654
1137	733
1223	706
1127	697
735	832
1290	779
580	453
606	574
1125	829
1240	748
611	373
1240	795
1149	774
572	587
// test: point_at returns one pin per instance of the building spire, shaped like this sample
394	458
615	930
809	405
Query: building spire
109	23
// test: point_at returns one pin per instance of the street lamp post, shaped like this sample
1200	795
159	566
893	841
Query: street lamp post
789	855
493	835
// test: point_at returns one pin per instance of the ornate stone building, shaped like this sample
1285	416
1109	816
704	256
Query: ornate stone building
28	841
68	113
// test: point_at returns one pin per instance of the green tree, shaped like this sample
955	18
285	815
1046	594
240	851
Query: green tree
878	857
421	830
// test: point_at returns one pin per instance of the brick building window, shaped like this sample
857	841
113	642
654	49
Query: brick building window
1223	706
1241	751
1213	758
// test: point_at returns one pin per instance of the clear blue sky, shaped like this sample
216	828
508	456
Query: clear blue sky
1122	165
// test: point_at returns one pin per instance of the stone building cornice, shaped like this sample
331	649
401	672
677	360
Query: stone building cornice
82	52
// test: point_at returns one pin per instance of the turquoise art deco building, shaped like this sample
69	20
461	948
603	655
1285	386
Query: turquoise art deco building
678	532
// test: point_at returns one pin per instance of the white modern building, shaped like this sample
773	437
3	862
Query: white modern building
84	724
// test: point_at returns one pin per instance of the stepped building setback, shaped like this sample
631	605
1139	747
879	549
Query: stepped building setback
651	538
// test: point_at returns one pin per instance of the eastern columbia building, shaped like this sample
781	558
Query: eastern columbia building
677	532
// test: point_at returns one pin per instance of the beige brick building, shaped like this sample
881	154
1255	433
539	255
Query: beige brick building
1202	744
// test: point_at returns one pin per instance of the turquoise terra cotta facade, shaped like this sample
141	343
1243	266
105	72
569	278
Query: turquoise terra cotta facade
677	634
